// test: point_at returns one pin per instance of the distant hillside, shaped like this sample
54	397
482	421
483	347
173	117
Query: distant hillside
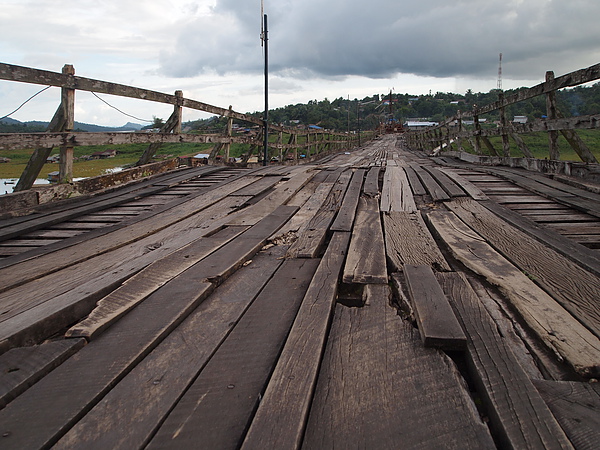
9	125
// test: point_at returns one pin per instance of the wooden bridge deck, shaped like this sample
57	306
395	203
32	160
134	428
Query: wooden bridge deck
377	299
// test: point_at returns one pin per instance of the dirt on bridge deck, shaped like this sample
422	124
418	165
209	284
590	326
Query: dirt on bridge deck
378	299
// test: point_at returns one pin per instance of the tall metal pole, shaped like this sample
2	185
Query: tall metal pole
266	116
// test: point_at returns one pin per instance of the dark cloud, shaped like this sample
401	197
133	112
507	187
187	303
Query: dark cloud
381	38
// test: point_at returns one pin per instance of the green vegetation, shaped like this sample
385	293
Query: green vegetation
127	154
538	145
339	115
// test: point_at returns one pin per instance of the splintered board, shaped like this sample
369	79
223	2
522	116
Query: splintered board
551	322
380	388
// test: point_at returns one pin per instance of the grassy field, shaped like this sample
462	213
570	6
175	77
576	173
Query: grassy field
538	145
126	155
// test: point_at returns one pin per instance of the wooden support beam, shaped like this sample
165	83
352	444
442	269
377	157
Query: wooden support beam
438	326
172	125
65	172
554	153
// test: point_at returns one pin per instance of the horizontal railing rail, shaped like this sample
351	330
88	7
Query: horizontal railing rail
60	131
452	131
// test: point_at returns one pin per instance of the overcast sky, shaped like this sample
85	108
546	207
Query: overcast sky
211	49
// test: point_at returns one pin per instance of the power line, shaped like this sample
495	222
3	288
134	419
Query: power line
122	112
23	104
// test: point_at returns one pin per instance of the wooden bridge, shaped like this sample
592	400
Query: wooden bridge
373	297
376	299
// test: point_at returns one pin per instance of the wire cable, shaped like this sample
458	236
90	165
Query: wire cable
23	104
122	112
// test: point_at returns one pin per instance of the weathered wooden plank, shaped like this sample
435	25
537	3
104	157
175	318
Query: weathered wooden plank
43	307
518	416
366	262
433	188
142	284
572	286
57	402
258	187
408	241
345	216
311	238
415	184
33	269
391	193
279	196
576	406
216	409
380	388
446	182
551	322
151	390
307	211
437	323
581	255
371	186
474	191
281	416
22	367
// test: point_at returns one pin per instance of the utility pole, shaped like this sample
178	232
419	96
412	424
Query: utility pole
266	116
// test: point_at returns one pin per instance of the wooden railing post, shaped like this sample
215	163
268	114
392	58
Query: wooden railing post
229	134
65	172
554	152
172	125
477	142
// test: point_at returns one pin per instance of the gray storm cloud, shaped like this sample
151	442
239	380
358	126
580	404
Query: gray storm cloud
380	38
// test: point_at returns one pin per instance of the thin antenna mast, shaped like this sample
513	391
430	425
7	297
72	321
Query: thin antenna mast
500	73
262	23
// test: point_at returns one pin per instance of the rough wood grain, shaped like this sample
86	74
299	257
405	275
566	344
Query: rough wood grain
437	323
54	404
563	334
345	216
576	406
576	289
371	187
281	416
30	270
475	192
142	284
366	262
151	390
380	388
584	257
20	368
216	409
433	188
396	194
518	416
408	241
279	196
446	182
48	304
312	237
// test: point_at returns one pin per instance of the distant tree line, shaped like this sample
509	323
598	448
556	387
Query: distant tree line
343	114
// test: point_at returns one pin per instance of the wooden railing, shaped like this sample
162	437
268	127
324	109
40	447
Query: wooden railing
60	130
452	132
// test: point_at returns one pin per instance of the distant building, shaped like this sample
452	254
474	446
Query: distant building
520	119
104	155
419	125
